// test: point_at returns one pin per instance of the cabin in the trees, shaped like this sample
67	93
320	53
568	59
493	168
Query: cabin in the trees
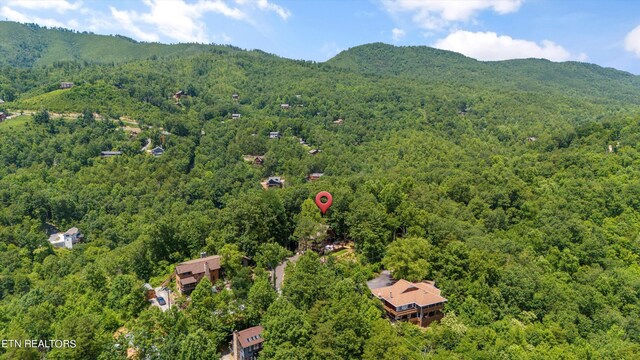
418	303
66	85
284	106
338	122
235	96
314	151
66	239
235	116
3	116
254	159
314	176
273	182
179	95
247	343
110	153
532	139
189	273
157	151
274	135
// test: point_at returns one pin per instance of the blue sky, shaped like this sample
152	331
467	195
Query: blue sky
603	32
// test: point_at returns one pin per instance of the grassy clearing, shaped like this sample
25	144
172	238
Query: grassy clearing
16	124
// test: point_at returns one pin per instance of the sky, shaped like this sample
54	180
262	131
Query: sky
606	33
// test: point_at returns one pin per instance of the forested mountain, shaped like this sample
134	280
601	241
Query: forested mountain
513	185
27	45
429	65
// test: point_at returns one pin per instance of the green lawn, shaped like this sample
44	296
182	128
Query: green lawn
16	124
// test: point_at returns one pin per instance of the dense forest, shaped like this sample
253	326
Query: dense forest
514	185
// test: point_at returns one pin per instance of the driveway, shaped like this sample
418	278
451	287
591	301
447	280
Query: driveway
382	280
167	295
280	270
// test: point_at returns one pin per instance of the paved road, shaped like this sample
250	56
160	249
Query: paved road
384	279
280	270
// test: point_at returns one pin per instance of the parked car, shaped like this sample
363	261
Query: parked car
161	301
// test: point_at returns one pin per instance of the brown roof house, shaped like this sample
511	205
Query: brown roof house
247	343
189	273
419	303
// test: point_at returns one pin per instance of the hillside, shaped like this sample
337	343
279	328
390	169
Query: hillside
27	45
434	65
513	185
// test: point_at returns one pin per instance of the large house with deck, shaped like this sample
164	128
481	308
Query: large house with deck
418	303
189	273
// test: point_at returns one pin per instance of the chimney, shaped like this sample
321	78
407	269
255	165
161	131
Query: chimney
390	295
203	255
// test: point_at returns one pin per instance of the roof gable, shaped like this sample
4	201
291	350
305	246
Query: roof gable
250	336
404	292
197	266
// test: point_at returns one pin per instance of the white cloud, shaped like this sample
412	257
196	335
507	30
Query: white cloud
491	46
283	12
222	38
126	21
58	5
632	41
13	15
436	14
177	19
397	34
183	22
330	49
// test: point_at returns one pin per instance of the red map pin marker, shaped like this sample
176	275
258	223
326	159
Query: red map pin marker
324	206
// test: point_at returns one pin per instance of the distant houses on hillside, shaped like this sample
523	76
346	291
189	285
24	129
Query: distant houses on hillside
179	95
274	135
254	159
3	116
105	154
66	85
273	182
157	151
